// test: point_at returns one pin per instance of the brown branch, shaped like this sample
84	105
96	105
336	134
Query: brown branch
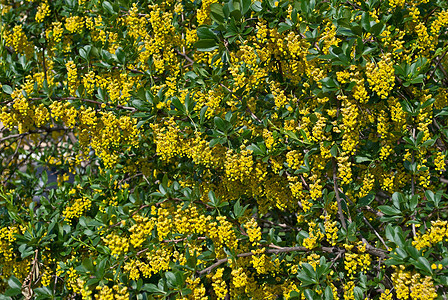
25	159
45	130
185	56
200	238
338	198
438	61
276	250
127	257
90	101
247	108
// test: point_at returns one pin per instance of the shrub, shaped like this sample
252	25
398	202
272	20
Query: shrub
233	149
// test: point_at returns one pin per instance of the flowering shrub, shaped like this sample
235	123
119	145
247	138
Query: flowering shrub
229	149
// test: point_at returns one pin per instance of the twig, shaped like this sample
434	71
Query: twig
25	159
413	186
90	101
27	291
185	56
438	61
45	130
338	198
199	238
277	250
247	108
127	257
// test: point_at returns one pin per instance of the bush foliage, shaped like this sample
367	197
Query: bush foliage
224	149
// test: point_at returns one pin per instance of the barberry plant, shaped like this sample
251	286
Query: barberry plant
233	149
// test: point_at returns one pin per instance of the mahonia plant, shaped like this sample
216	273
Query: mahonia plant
224	149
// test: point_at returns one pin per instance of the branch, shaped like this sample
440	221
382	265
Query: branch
336	191
185	56
247	107
248	254
45	130
90	101
439	60
276	250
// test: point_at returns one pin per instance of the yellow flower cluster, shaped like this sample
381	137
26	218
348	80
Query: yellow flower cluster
253	231
380	76
280	98
204	12
89	81
79	207
268	138
8	257
239	278
344	169
263	263
436	234
117	292
367	185
18	41
218	284
197	288
386	295
411	285
42	11
331	231
118	244
354	262
72	77
294	159
140	230
314	236
440	162
396	3
238	166
222	234
74	24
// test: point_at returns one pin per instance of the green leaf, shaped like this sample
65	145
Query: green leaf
366	200
295	295
256	6
108	7
328	293
121	55
202	114
389	210
216	13
361	159
206	45
377	29
245	6
345	31
359	295
152	288
170	278
177	104
12	292
222	124
398	198
213	200
7	89
14	283
423	264
205	33
310	295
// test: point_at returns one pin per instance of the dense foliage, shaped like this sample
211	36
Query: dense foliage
224	149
